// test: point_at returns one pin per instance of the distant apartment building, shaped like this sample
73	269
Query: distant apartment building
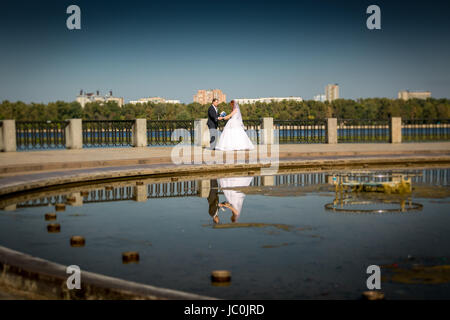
406	95
153	100
332	92
267	100
206	96
320	97
86	97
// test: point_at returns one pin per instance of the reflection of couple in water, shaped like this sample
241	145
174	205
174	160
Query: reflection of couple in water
235	199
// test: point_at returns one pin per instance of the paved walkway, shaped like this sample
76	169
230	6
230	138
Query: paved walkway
27	161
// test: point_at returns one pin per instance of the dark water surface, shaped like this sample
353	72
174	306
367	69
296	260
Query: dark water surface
283	243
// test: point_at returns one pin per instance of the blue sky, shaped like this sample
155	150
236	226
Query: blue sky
245	48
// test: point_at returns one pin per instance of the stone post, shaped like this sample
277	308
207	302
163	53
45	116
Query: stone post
268	181
267	131
140	133
78	199
11	207
74	134
140	193
332	131
201	133
203	188
1	135
395	127
8	136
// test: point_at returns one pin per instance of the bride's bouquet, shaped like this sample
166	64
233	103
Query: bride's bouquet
223	114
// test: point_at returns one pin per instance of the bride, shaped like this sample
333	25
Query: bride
235	199
233	136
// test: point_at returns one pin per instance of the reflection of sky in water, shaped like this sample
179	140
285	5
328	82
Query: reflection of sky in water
322	254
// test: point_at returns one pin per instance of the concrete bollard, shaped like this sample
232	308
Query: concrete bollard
130	256
60	207
74	134
372	295
221	276
77	241
8	136
395	130
267	131
332	131
201	133
50	216
140	133
53	228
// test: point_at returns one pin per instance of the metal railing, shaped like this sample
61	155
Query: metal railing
160	132
363	131
419	130
32	135
251	126
105	133
173	189
301	131
40	134
435	176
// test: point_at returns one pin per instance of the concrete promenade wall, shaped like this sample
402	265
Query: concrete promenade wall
43	279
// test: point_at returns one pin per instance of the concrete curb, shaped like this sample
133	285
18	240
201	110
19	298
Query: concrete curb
47	280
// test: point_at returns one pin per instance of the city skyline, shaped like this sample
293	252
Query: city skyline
277	49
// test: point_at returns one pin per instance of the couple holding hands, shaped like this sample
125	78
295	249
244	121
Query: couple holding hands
233	136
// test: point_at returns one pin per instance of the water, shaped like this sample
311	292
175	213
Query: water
280	243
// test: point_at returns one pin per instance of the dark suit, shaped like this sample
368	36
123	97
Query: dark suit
213	198
213	123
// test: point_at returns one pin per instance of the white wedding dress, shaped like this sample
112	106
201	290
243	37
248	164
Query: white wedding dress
234	197
233	136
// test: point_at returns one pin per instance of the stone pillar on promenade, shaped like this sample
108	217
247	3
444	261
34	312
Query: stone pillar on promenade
201	133
1	135
8	136
140	133
74	134
140	193
11	207
268	181
395	130
267	131
78	199
203	188
332	131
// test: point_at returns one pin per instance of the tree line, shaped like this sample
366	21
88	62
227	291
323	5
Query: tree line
369	108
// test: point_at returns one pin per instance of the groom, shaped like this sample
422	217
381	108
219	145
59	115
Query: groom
213	122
